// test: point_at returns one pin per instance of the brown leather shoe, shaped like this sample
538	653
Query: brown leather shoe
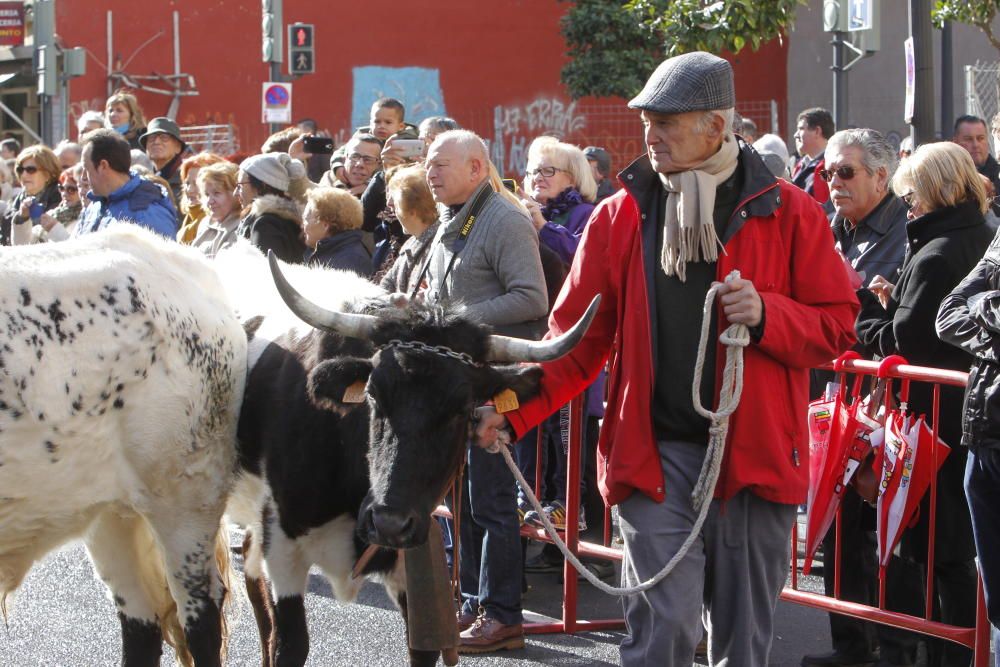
488	634
465	619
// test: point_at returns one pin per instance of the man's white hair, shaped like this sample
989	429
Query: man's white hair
470	143
705	121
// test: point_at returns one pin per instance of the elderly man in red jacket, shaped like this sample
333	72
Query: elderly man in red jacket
652	251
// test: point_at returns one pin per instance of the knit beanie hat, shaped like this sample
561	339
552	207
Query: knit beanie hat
275	169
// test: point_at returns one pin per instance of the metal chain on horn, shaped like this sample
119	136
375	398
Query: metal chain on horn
735	338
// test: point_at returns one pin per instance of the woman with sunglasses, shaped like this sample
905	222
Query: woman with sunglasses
37	168
946	237
59	223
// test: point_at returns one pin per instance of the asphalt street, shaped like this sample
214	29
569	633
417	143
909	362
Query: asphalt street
62	616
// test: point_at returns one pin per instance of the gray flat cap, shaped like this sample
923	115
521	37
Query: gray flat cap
695	81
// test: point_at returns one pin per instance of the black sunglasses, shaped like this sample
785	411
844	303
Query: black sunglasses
845	173
68	188
31	169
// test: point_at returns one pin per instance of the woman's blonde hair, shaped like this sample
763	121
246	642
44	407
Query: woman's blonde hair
338	209
567	157
137	119
940	174
222	174
199	161
407	185
44	159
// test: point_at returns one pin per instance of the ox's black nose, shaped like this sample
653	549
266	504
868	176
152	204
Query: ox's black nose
394	528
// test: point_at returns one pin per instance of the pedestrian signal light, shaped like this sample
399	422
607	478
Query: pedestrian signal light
301	58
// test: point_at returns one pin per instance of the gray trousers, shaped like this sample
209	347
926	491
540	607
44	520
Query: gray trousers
732	574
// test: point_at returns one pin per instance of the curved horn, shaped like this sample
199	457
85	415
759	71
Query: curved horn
504	348
351	325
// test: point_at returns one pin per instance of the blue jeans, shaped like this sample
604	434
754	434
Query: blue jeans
490	545
982	488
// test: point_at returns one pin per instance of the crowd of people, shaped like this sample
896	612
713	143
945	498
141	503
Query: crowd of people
394	204
841	246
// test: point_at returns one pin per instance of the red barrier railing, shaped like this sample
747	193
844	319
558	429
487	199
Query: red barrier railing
892	368
976	638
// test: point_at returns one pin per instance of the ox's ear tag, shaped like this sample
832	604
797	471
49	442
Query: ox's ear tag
355	393
506	401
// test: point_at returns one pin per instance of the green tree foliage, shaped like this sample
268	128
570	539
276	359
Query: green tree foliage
614	44
978	13
611	51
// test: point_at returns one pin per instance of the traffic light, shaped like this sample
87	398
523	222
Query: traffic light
301	56
270	24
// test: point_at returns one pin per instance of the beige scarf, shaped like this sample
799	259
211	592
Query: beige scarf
688	228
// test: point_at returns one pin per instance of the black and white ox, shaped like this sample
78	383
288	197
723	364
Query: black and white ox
122	367
323	478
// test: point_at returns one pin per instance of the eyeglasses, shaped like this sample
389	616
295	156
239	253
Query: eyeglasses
366	159
159	136
547	172
20	169
844	173
72	189
909	199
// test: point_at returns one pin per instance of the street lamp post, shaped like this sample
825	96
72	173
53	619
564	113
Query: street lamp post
922	124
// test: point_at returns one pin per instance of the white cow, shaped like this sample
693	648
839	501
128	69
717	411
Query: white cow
122	369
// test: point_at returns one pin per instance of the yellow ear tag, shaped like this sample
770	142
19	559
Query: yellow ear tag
355	393
506	401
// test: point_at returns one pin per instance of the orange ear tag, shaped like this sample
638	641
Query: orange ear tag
355	393
506	401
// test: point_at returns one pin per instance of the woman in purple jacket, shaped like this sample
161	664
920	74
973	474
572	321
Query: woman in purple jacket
559	191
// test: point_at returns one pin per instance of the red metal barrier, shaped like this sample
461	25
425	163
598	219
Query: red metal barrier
893	368
570	623
976	638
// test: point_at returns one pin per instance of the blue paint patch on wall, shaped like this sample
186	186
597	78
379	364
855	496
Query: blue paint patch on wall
418	88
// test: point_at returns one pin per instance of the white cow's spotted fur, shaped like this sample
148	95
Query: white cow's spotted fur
121	373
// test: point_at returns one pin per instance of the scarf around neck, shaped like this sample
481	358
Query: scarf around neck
561	203
688	224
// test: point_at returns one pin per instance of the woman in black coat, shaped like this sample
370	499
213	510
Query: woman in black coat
268	185
946	237
969	318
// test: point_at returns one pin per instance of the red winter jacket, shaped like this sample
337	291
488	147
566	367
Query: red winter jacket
780	240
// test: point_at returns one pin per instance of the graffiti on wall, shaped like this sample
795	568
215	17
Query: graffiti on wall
418	88
514	128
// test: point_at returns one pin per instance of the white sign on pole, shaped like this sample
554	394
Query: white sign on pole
860	17
911	77
276	102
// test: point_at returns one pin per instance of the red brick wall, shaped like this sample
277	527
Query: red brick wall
498	65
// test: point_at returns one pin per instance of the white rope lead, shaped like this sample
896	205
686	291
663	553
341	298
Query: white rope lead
735	338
